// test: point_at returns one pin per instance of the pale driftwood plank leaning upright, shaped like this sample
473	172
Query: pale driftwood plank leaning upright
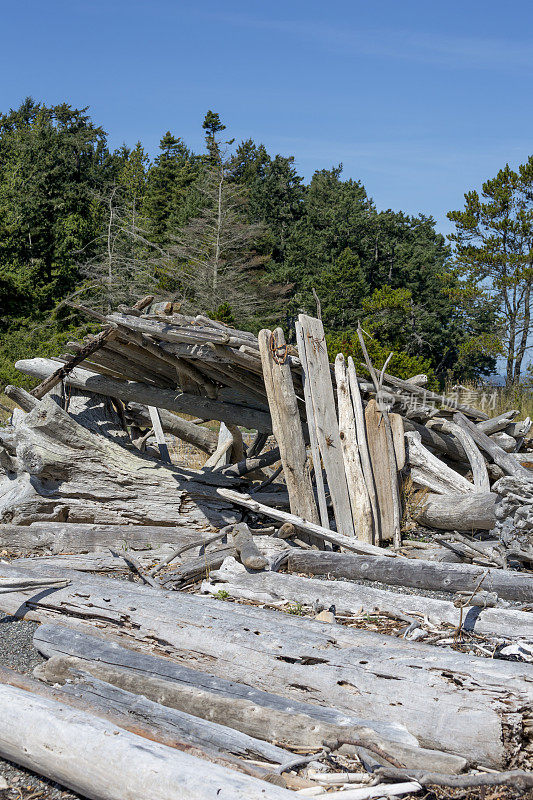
327	426
286	424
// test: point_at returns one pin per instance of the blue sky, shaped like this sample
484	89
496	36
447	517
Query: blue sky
419	100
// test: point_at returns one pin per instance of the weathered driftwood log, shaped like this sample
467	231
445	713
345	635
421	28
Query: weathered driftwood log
71	537
440	442
499	423
458	512
258	713
251	464
364	454
186	727
429	471
67	472
226	716
200	437
480	477
459	705
143	393
326	424
104	762
151	732
413	572
506	461
348	598
311	425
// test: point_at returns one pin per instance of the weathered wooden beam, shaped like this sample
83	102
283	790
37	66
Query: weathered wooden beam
195	405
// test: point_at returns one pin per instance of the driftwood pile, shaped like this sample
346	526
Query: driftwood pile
357	557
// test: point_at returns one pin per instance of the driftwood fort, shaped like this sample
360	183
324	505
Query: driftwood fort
337	598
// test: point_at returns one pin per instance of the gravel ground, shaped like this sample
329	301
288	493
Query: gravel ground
18	653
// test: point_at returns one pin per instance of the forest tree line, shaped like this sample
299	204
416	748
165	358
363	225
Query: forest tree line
235	232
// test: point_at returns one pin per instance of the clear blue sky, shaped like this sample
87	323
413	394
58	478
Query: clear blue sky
419	100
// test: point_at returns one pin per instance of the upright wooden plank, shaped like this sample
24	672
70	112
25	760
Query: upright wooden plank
159	434
315	452
327	426
286	425
359	497
364	455
385	473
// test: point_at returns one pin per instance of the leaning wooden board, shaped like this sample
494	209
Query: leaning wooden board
327	427
385	475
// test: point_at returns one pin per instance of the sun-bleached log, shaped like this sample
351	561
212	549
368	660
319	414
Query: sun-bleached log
348	598
457	512
66	471
304	659
101	761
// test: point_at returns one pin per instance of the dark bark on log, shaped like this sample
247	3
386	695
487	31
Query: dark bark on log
413	572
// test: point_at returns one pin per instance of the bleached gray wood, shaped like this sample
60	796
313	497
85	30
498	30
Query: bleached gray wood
108	484
429	471
359	497
348	598
287	428
426	395
311	425
248	551
149	731
457	512
316	531
499	423
71	537
364	453
129	391
506	461
503	440
480	476
186	727
414	572
197	435
327	426
159	435
253	711
103	762
460	704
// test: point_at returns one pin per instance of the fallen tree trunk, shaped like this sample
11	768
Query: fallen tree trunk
172	400
258	713
348	597
458	512
413	572
151	732
299	731
71	537
459	705
104	762
67	472
186	727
